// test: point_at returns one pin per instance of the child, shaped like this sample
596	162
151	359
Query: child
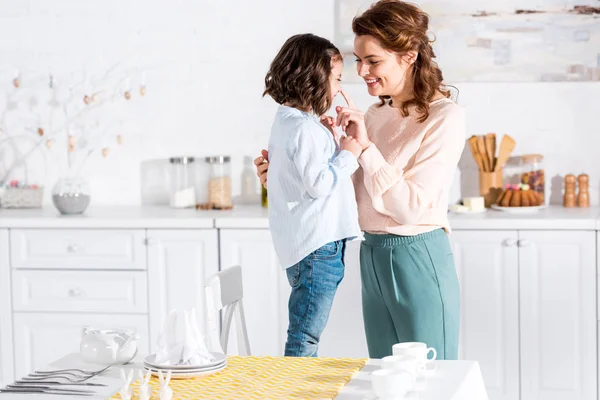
312	209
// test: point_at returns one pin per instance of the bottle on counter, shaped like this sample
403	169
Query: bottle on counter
532	173
249	192
183	191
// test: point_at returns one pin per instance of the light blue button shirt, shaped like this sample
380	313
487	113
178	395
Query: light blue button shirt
311	196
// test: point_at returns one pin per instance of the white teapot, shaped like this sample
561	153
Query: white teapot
108	346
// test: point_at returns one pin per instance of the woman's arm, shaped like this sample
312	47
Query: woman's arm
405	195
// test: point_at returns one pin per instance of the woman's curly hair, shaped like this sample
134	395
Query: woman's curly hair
299	75
401	27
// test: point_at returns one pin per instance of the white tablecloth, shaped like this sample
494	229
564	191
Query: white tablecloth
453	380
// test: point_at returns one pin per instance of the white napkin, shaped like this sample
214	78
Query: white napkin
180	342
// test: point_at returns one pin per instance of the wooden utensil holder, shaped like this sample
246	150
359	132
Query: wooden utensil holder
490	186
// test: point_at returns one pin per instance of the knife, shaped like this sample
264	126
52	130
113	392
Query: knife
59	383
44	391
48	388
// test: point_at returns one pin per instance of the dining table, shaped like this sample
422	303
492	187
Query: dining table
350	380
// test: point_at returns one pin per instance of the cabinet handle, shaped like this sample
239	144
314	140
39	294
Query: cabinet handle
524	243
74	292
73	248
150	242
510	242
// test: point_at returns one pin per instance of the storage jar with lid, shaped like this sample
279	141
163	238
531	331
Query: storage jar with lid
532	173
219	184
182	177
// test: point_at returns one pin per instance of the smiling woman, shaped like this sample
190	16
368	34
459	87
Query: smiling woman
411	142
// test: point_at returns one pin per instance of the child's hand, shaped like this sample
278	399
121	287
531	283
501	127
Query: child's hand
329	123
350	144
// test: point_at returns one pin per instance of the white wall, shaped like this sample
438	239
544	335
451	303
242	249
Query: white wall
204	91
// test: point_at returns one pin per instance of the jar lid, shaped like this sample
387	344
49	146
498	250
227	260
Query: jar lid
181	160
531	158
218	159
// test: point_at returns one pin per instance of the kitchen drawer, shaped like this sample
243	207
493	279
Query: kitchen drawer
80	291
78	248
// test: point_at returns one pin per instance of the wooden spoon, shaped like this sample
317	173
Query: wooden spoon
507	145
490	142
475	152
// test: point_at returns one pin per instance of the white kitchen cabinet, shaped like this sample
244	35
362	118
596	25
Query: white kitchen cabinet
6	335
43	338
266	290
558	315
487	266
118	249
344	335
179	262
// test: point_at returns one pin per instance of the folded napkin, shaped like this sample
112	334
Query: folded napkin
180	342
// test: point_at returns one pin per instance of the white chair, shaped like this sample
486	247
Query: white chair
224	291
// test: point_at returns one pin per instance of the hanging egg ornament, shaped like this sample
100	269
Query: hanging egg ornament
105	152
86	99
142	90
40	131
120	139
49	143
72	141
71	148
16	83
128	95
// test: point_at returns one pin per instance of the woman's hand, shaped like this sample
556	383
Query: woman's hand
352	122
262	165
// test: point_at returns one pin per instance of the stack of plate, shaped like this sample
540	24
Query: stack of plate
186	371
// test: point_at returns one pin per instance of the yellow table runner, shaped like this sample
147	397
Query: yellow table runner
267	378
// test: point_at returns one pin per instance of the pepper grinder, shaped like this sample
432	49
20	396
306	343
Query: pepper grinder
583	197
569	199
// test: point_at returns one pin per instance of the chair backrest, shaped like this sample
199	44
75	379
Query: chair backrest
224	291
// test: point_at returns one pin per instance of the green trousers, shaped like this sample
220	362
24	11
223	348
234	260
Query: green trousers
410	293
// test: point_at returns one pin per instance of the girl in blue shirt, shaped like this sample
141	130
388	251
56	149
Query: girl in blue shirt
312	208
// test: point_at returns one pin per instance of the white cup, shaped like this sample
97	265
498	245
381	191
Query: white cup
418	350
404	363
391	384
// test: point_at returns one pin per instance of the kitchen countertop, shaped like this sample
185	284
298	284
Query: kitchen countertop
248	217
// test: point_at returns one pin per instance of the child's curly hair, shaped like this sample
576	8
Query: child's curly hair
299	75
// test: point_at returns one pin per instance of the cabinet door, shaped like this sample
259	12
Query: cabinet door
179	263
558	315
43	338
487	267
266	289
6	343
344	335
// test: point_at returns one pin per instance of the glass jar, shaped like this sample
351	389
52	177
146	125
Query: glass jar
183	191
71	195
219	184
532	173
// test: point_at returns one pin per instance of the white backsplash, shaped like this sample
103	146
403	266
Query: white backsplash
208	63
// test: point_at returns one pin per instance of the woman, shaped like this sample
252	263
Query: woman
411	143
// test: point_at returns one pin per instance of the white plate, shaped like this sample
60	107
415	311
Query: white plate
186	370
519	210
184	375
219	359
468	212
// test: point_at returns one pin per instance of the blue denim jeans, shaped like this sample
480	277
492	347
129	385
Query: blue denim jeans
314	281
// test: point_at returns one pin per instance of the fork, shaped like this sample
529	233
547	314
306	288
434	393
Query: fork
64	375
66	370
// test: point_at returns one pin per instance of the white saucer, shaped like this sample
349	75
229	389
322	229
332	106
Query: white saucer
468	212
519	210
220	359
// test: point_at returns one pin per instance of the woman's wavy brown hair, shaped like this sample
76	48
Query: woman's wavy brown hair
401	27
299	74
